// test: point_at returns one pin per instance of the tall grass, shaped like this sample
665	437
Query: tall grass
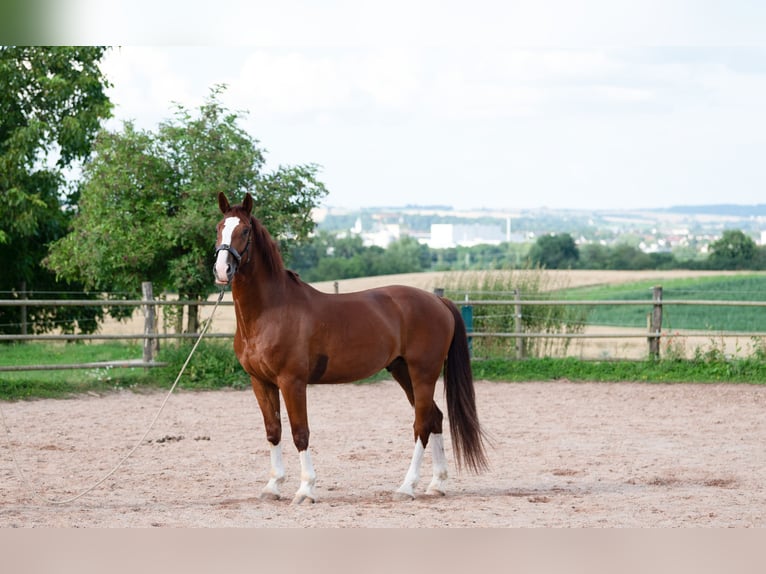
507	285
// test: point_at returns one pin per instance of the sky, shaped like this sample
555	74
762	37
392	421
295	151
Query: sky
481	104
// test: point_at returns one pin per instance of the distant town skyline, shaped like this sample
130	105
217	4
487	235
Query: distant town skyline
493	104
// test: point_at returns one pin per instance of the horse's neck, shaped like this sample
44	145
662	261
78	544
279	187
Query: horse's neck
262	281
258	292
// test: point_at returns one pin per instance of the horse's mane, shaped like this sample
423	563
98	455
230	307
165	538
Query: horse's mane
264	245
268	249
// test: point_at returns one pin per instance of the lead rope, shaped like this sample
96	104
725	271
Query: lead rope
46	500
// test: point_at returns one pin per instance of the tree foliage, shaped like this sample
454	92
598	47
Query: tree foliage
51	106
327	257
734	250
622	257
554	252
147	208
52	102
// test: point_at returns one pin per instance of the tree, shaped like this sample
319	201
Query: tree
51	106
554	252
327	257
148	211
407	255
734	250
625	256
595	256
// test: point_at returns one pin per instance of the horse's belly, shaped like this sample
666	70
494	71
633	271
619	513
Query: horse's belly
345	367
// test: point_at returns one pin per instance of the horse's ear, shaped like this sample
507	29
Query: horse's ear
247	203
223	203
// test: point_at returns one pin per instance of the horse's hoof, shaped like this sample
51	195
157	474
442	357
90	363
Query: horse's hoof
436	487
435	492
268	495
400	496
301	498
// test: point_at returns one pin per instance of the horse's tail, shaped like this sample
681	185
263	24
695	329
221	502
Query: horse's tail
467	435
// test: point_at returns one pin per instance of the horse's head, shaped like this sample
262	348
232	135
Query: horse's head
233	237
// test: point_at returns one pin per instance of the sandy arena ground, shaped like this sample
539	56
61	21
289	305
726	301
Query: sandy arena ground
565	455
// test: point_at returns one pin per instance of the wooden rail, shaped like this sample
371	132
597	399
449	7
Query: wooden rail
150	336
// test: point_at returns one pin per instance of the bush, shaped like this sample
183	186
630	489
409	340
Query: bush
213	366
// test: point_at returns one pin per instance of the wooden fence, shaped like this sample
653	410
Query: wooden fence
150	336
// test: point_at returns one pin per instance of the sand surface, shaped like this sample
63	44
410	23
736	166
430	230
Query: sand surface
565	455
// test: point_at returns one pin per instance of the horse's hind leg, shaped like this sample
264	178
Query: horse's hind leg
268	399
439	461
401	374
428	426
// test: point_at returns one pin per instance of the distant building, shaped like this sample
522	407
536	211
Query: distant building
445	235
382	235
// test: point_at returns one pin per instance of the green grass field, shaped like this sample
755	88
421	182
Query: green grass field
57	383
694	317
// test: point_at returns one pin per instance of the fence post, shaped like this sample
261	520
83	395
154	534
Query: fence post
151	346
655	324
466	312
517	324
23	308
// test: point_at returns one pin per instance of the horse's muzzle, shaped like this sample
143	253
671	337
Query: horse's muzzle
228	271
226	261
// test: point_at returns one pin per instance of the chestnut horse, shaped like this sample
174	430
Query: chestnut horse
290	335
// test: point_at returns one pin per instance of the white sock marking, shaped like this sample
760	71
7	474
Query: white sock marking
277	465
439	463
277	474
413	473
308	479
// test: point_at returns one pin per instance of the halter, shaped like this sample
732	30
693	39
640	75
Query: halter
230	249
236	254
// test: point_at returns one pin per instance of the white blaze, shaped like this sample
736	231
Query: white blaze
229	225
222	260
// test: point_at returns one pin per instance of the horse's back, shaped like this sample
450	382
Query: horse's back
367	330
423	320
407	305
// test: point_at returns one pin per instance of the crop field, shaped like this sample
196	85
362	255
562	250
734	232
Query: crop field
695	317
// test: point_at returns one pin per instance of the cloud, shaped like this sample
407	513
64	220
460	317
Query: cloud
289	83
276	84
427	118
146	83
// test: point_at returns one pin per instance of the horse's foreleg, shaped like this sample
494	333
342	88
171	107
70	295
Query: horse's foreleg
294	394
308	479
276	475
268	399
